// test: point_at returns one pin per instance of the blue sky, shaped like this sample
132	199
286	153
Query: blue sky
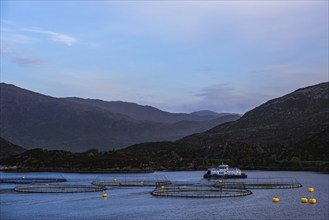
225	56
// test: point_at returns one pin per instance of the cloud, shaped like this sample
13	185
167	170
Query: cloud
21	38
4	21
283	78
19	56
261	85
93	45
63	38
10	34
227	98
14	33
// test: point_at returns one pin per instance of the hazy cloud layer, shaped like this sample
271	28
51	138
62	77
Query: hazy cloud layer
63	38
226	98
22	58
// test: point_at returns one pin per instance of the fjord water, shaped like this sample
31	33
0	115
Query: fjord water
138	203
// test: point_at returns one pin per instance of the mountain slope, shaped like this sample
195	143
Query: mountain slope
288	119
34	120
8	149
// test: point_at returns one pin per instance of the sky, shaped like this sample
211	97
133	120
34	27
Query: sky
178	56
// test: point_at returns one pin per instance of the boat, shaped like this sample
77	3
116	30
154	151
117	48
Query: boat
224	171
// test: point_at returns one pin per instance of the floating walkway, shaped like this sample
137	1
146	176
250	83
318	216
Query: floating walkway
58	189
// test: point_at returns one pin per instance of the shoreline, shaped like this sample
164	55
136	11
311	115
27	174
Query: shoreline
72	170
136	170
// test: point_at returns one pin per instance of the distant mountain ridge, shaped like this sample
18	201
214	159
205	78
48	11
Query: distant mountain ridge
32	120
147	113
208	113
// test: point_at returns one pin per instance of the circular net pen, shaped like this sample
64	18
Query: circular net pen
58	189
132	181
200	192
260	183
31	180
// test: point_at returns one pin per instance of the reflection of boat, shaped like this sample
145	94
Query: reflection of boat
224	171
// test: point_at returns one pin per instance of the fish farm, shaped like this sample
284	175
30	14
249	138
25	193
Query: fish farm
221	188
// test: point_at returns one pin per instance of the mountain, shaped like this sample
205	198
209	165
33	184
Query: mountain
292	130
33	120
207	113
147	113
8	149
300	115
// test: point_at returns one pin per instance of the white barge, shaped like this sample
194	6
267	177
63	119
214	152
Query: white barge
224	171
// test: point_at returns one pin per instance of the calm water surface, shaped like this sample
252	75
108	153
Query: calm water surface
138	203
